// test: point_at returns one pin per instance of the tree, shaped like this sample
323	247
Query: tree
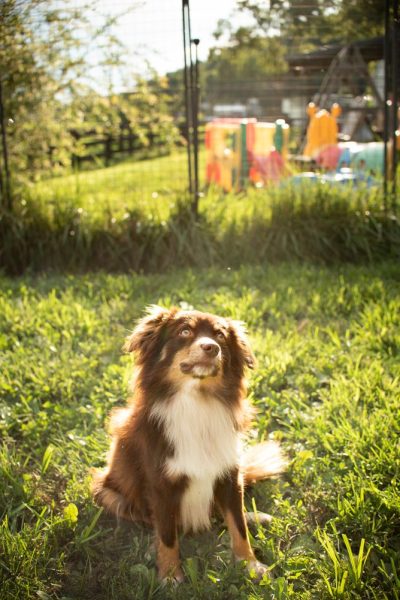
51	58
246	57
242	55
304	26
42	63
360	19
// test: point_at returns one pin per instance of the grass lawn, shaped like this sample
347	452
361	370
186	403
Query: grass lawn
150	186
327	384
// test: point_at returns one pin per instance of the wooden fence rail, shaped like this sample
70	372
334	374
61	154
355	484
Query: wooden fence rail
102	147
106	147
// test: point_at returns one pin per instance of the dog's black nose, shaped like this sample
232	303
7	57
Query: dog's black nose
210	348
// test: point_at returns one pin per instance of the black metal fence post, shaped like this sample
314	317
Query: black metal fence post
391	123
6	183
386	103
395	96
196	95
186	82
191	83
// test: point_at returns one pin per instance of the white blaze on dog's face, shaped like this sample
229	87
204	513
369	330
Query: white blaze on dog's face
197	349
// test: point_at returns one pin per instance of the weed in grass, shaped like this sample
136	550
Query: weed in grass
348	568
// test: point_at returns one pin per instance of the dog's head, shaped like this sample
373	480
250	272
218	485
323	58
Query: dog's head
190	344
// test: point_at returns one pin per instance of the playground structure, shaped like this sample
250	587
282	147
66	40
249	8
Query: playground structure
339	144
246	151
239	151
322	131
349	151
323	148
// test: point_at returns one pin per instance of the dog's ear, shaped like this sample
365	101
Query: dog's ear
146	336
237	330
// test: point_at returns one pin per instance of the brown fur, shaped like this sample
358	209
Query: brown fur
173	347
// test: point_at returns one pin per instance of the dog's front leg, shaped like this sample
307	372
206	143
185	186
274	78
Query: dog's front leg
166	503
229	498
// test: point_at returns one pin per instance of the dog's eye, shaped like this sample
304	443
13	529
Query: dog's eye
220	336
185	332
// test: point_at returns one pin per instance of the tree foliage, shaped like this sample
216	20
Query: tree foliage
41	61
275	29
303	25
246	57
52	58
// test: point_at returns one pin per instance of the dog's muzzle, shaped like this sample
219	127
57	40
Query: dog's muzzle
203	360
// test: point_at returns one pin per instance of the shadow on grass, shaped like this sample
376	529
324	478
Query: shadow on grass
121	563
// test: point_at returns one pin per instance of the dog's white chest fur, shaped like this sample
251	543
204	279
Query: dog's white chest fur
202	433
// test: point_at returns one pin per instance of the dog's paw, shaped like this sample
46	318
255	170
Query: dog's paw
257	570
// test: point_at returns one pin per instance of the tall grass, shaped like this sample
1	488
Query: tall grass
310	222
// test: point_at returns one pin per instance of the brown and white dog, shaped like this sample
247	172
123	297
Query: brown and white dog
176	449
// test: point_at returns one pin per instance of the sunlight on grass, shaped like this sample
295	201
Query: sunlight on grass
149	185
327	343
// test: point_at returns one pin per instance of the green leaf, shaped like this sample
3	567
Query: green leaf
46	460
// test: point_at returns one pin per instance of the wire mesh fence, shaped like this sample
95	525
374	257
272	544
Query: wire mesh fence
328	72
94	85
84	87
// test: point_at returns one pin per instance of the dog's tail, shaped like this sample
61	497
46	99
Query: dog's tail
110	499
262	461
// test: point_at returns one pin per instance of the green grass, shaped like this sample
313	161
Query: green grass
327	384
150	186
135	216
